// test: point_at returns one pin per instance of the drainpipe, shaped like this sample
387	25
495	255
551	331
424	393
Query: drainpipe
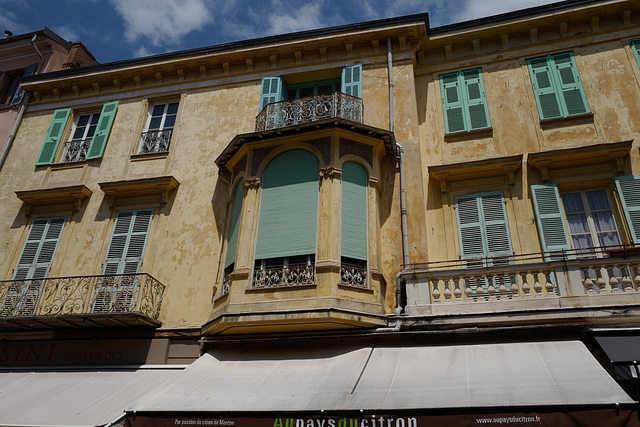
390	72
23	106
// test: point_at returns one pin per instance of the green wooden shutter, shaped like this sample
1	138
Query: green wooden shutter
19	94
476	99
470	227
99	140
54	135
550	217
452	103
353	233
483	226
635	46
128	242
234	225
289	206
273	90
629	192
572	93
544	87
496	226
39	248
352	80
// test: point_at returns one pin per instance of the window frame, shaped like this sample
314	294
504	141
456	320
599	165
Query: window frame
10	84
160	143
85	141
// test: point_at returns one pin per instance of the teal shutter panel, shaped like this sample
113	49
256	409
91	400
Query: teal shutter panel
635	46
103	128
353	233
470	228
289	206
54	135
452	103
573	95
483	228
273	90
544	88
19	94
476	99
550	217
352	80
629	192
39	248
234	225
496	226
128	242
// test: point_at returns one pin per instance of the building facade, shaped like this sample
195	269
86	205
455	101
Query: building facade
376	224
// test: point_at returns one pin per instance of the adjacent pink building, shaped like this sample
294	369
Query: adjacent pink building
26	54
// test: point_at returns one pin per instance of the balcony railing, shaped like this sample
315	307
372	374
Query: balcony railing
138	294
309	109
75	150
155	141
543	276
291	275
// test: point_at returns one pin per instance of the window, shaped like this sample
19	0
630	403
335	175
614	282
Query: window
275	89
464	101
288	220
234	230
10	92
34	263
116	293
76	148
483	233
557	86
588	213
81	150
353	230
158	129
590	218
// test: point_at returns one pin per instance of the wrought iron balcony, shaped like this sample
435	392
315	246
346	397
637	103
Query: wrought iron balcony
75	150
121	299
290	275
155	141
309	109
578	279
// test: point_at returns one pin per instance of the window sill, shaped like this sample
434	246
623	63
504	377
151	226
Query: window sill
149	156
355	288
566	121
469	135
68	165
280	288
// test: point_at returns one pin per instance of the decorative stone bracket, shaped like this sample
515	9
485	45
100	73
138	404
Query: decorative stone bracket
75	194
161	186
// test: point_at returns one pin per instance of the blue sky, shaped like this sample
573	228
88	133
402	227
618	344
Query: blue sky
122	29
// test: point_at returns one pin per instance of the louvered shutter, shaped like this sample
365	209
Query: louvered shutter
54	135
352	80
19	94
573	95
34	263
476	99
470	228
103	128
353	233
289	206
273	90
629	192
635	46
234	225
452	103
496	227
550	217
39	249
544	88
128	242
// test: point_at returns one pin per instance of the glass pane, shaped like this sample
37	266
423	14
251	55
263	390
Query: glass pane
609	239
582	241
155	123
158	110
173	108
604	221
169	122
572	202
325	89
306	91
598	200
578	223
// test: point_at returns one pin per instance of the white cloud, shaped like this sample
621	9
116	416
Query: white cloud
161	23
9	20
286	19
480	9
67	33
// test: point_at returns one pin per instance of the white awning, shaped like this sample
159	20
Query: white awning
309	378
74	397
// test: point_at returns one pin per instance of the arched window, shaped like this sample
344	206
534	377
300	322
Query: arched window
353	233
286	240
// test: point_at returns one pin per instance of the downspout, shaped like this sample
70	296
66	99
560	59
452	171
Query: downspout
23	106
390	73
